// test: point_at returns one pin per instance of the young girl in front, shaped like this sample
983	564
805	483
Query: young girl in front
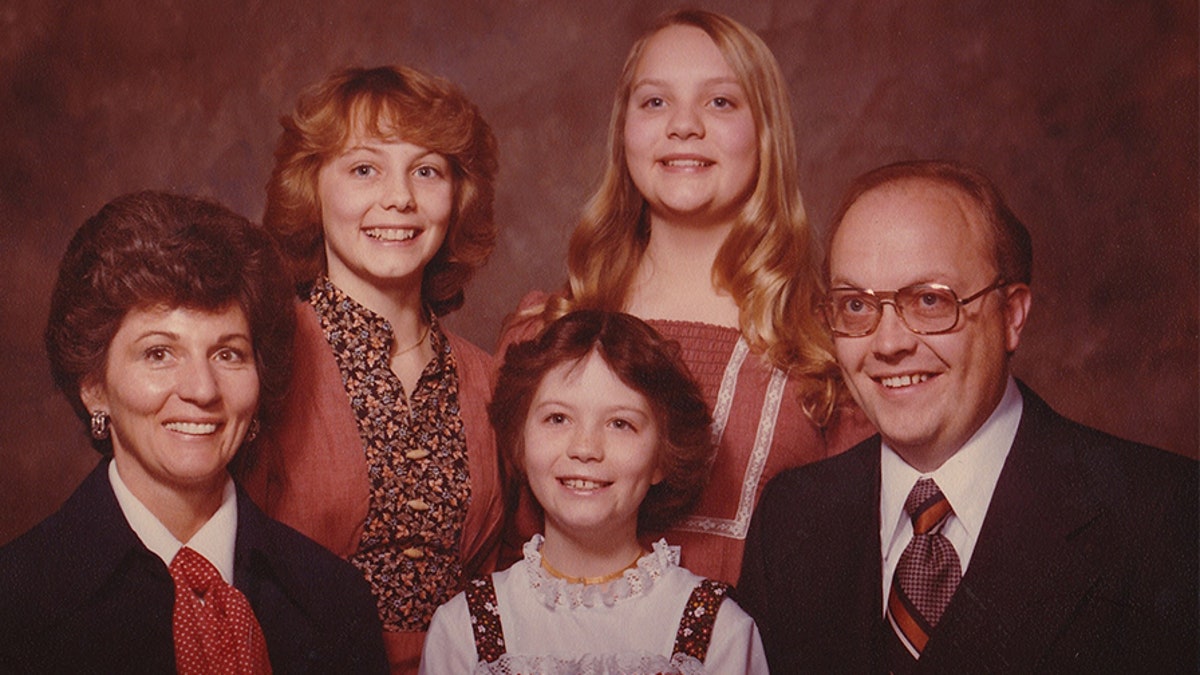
600	419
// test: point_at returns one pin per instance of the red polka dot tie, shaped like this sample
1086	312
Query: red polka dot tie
928	571
214	625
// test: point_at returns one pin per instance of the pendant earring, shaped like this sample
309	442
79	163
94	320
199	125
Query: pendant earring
100	422
252	432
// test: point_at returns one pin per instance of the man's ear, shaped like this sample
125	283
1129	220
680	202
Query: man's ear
1018	299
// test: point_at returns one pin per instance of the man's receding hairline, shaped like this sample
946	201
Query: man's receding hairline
972	212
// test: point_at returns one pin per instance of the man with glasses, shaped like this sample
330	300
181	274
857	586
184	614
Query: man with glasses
980	531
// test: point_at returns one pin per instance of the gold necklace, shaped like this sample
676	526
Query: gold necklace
420	341
591	581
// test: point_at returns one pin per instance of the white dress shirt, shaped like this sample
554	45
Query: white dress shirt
214	540
967	479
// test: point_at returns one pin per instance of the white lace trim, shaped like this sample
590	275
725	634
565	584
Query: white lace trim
593	664
728	387
739	525
554	592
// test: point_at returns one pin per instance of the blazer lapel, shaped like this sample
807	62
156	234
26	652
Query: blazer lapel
263	572
812	571
844	545
1034	553
92	518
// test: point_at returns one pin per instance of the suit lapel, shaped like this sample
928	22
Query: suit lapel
263	572
93	519
812	574
848	543
1034	555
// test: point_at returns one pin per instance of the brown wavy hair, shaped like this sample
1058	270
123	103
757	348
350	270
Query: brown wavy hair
158	249
388	102
646	363
769	262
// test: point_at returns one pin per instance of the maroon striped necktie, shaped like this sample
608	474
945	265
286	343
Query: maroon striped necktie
928	571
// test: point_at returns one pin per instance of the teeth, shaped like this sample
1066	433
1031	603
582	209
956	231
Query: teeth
903	380
688	163
392	234
192	428
582	484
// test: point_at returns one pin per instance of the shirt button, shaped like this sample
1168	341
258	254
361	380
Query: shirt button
417	454
414	553
418	505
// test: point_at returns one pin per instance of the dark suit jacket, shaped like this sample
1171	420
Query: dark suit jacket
1086	562
81	593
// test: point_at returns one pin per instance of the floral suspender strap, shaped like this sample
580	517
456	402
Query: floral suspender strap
699	615
485	619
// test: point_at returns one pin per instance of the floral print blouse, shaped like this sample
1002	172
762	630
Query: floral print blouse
416	456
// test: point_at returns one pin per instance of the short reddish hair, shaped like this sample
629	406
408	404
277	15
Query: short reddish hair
386	102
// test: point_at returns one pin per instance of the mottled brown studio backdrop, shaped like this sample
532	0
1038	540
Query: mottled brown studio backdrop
1084	111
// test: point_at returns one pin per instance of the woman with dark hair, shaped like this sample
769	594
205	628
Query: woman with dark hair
170	334
600	420
381	199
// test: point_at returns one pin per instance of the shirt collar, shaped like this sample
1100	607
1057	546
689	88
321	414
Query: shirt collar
364	331
214	540
968	478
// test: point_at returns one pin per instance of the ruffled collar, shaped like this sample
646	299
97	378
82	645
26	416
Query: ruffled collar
554	592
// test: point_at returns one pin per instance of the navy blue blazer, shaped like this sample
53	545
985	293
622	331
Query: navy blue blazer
80	593
1086	562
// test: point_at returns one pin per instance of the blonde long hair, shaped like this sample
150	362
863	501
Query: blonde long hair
770	260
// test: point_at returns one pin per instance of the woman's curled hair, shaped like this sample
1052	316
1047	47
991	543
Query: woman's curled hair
155	249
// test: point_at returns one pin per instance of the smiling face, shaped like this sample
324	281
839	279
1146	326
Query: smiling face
385	209
690	140
181	387
927	394
590	452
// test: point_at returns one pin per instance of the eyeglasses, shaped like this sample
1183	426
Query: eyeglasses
925	309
